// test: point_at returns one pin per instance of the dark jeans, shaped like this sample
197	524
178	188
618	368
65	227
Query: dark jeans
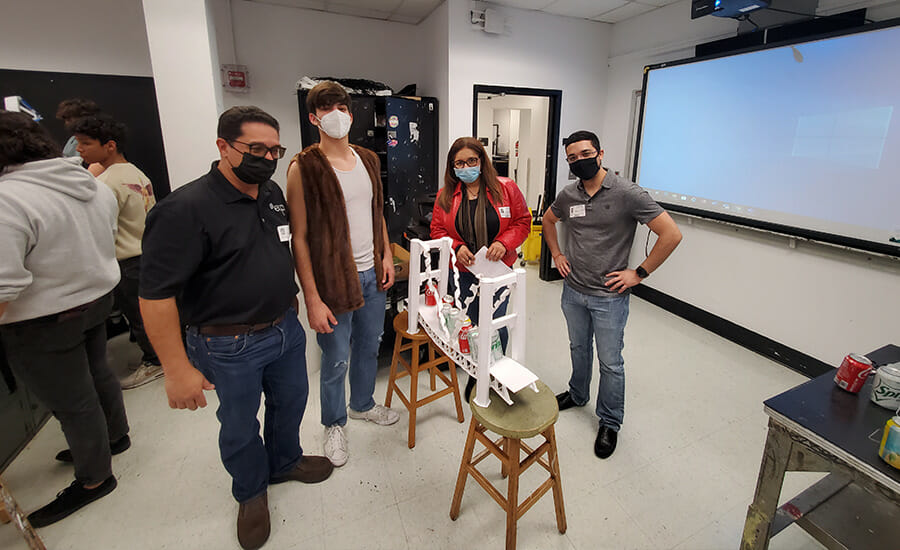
126	293
466	282
62	359
271	361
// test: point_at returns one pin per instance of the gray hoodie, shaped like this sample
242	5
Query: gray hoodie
57	238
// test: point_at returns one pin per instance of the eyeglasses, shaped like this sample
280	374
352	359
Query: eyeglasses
586	154
260	150
471	161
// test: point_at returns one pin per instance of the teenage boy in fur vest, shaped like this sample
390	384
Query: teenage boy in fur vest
344	262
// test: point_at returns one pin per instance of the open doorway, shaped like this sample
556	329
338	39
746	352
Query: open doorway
520	130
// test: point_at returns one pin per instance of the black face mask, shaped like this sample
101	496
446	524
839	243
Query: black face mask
254	170
585	169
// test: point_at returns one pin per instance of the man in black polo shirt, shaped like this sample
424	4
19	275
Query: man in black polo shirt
220	247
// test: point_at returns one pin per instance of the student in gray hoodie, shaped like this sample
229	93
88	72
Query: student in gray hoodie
57	241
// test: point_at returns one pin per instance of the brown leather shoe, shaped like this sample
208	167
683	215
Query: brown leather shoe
253	522
309	469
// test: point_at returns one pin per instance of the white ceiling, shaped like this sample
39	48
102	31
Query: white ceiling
414	11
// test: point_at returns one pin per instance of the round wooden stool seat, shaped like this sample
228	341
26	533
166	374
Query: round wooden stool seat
531	414
401	322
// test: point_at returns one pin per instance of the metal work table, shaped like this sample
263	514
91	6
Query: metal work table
818	427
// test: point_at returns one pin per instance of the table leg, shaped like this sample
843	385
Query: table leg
768	489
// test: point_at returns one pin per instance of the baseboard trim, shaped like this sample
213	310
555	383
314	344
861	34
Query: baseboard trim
776	351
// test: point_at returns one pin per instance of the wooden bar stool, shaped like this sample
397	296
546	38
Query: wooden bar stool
532	414
413	343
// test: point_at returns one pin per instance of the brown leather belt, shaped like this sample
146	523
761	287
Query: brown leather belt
237	330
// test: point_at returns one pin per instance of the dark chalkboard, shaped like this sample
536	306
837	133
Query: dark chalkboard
129	99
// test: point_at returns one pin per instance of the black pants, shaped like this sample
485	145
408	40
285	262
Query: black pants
126	293
62	359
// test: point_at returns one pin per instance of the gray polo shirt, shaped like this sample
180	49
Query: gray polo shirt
600	229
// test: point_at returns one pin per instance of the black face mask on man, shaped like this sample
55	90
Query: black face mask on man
254	170
585	169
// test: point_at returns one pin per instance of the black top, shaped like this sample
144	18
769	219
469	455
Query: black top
850	421
491	218
218	251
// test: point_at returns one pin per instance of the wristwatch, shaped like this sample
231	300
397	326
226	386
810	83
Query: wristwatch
641	272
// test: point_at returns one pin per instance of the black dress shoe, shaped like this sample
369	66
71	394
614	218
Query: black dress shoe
605	443
70	500
470	385
115	447
564	400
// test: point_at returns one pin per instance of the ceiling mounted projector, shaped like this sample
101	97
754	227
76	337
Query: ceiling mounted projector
726	8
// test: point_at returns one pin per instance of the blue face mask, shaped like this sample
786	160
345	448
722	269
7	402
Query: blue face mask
468	174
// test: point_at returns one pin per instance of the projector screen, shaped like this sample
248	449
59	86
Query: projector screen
802	139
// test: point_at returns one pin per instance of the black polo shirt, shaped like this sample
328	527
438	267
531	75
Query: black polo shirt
219	253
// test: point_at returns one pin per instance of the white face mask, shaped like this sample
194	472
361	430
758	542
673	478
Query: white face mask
335	124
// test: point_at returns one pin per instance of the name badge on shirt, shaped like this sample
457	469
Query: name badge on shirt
284	233
576	211
504	212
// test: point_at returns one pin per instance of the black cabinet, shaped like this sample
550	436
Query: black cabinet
403	131
21	416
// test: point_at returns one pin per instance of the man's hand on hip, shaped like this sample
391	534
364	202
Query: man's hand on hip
620	281
562	265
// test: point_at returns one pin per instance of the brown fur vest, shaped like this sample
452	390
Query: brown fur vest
328	231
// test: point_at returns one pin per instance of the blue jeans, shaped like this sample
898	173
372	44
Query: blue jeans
271	361
466	282
602	318
353	346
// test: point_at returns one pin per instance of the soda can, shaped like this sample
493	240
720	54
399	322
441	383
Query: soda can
886	387
463	335
447	299
451	320
496	347
430	296
472	337
852	374
889	451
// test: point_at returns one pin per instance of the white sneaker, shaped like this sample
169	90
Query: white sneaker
336	445
146	373
378	414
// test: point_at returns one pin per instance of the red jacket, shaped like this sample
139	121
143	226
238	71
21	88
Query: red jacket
513	228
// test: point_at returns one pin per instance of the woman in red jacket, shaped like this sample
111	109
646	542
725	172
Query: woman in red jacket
477	208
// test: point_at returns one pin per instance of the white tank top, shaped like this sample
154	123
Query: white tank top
357	188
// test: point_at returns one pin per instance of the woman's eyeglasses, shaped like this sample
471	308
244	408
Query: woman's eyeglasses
470	162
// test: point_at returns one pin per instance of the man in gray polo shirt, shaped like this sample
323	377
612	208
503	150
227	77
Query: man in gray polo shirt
601	212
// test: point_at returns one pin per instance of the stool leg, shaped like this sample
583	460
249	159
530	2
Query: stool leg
463	470
504	464
431	358
512	499
392	379
413	395
550	434
459	410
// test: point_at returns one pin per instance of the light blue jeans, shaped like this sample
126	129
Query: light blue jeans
352	346
601	318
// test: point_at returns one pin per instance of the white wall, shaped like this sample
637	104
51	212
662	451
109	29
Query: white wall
539	51
62	36
434	36
820	300
280	44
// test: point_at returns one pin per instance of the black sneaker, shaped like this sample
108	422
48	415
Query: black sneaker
69	500
605	443
565	401
115	447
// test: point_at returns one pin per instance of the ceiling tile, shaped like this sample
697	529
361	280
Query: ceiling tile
658	3
524	4
583	8
363	5
303	4
631	9
418	9
357	11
